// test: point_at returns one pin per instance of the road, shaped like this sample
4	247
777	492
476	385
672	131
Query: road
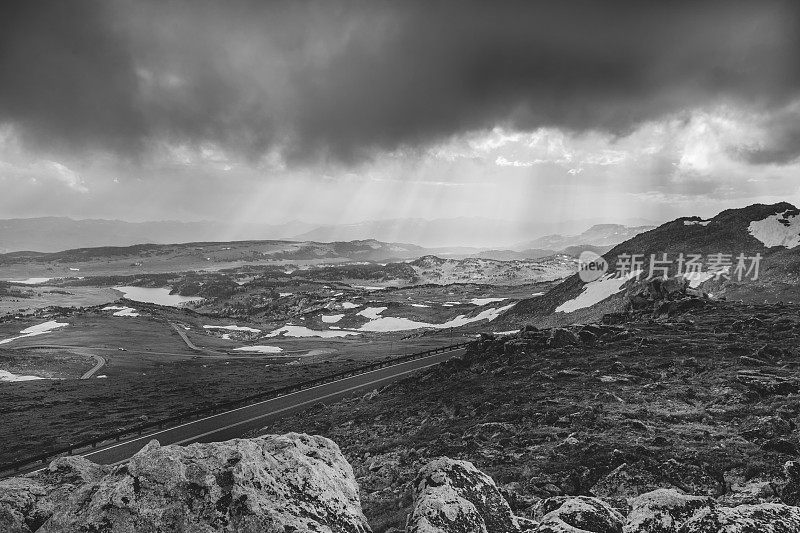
237	422
99	362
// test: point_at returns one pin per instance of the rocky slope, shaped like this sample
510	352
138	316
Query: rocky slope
769	230
698	396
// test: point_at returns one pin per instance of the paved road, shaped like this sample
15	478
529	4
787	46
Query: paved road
237	422
99	362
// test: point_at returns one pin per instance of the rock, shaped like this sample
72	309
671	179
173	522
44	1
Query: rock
455	497
560	337
662	511
578	514
765	428
23	506
761	518
74	470
624	482
269	484
691	478
588	338
790	494
27	502
784	446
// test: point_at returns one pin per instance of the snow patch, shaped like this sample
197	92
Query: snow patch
332	319
780	229
160	296
39	329
234	327
121	311
302	331
698	278
509	332
596	291
372	313
349	305
259	349
484	301
390	323
419	305
8	376
31	281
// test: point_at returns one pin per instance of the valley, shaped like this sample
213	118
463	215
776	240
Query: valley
162	330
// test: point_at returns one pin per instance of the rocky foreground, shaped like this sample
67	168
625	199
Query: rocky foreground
697	396
299	483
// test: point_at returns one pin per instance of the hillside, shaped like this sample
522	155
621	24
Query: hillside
732	232
702	400
432	269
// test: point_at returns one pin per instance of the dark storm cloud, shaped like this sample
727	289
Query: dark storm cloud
66	77
346	77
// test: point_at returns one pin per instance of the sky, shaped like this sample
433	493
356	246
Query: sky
335	111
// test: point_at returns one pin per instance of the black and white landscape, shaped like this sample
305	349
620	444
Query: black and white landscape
423	267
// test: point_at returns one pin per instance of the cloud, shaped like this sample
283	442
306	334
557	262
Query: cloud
344	79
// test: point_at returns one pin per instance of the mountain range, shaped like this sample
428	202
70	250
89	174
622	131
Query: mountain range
453	237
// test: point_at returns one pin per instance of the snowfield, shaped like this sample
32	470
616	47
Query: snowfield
596	291
39	329
159	296
780	229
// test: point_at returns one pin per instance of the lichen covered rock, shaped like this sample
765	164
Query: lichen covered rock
455	497
20	508
269	484
578	514
761	518
662	511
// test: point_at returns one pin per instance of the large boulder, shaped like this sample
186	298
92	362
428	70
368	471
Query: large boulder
662	511
269	484
578	514
560	337
455	497
761	518
21	510
28	502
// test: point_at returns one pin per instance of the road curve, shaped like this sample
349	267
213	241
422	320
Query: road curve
237	422
99	362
